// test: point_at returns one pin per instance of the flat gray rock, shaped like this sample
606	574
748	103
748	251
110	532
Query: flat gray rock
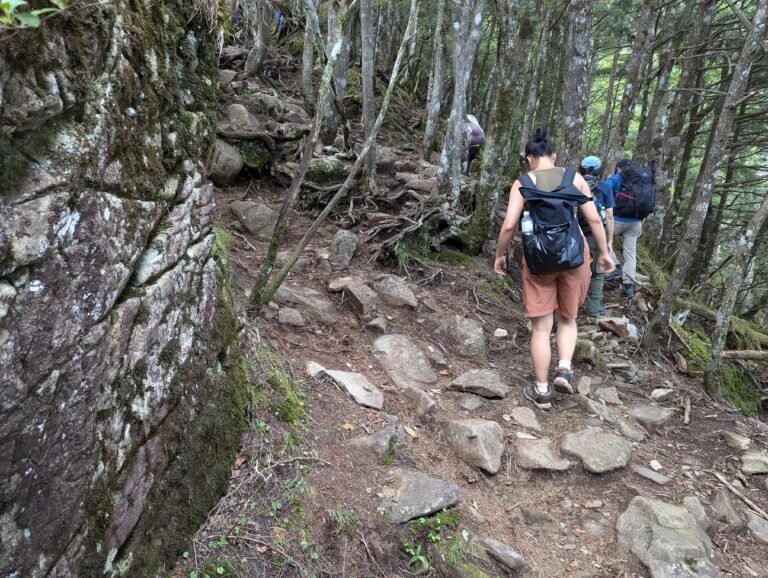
725	509
478	442
667	540
584	385
661	394
413	494
599	451
758	526
471	402
506	555
405	364
379	324
383	442
483	382
343	248
754	462
361	298
257	218
525	417
290	316
539	455
394	291
309	300
650	416
612	417
696	509
737	441
358	386
649	474
420	399
608	395
464	335
339	284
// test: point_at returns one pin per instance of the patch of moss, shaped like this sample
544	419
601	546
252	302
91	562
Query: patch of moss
451	258
655	272
286	400
500	290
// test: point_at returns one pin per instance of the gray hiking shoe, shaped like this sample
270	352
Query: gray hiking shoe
564	381
542	401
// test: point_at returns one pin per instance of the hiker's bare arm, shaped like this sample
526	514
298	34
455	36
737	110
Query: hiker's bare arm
589	210
609	228
514	210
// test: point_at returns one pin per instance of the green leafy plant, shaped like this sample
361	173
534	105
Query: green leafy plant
418	559
15	13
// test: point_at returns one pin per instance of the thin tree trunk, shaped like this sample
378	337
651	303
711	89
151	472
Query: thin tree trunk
293	192
605	127
258	17
480	75
307	68
448	179
533	91
705	181
738	268
575	100
670	151
435	93
334	112
369	101
499	145
262	299
644	23
550	104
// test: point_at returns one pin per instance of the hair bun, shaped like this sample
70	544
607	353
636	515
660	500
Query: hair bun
541	135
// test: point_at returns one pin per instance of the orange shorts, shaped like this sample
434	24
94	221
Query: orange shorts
564	291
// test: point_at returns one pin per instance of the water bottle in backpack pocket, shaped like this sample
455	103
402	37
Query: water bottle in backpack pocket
555	242
637	195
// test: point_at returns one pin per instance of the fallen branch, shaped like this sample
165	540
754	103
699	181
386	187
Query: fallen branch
746	354
687	410
755	508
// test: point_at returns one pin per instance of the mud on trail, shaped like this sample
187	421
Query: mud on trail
313	481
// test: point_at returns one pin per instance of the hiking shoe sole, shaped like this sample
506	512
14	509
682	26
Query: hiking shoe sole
563	384
543	401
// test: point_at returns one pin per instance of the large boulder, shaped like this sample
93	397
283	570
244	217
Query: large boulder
260	220
237	122
464	335
667	540
225	164
326	171
343	248
405	364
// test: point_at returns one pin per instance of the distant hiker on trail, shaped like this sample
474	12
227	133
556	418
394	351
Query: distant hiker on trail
633	192
590	169
476	139
556	271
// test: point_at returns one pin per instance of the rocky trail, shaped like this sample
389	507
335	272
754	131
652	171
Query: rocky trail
417	453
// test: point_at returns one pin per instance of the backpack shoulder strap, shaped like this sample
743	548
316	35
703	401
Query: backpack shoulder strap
568	177
526	180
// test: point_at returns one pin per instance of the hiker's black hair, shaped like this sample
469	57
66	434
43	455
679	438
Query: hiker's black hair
541	145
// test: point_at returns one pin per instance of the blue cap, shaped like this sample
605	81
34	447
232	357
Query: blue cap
591	163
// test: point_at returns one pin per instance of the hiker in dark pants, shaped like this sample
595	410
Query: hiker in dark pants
590	169
629	229
476	139
563	291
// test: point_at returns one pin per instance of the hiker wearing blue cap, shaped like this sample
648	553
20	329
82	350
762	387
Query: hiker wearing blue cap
590	168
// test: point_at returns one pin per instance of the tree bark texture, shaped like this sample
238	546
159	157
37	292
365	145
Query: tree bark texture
307	69
575	99
533	91
334	112
706	178
500	142
368	71
466	38
435	92
629	98
258	16
605	125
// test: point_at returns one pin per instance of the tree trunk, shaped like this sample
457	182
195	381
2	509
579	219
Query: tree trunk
307	68
467	36
258	17
670	151
480	74
644	24
705	181
605	126
738	268
435	92
499	145
533	91
334	112
549	105
575	100
369	101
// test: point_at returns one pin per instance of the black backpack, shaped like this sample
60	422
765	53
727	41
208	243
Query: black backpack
592	182
556	243
637	195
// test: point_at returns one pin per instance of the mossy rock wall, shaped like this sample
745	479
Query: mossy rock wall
121	406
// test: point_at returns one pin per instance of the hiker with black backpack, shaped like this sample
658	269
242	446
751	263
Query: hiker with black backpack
476	137
633	189
556	261
590	168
